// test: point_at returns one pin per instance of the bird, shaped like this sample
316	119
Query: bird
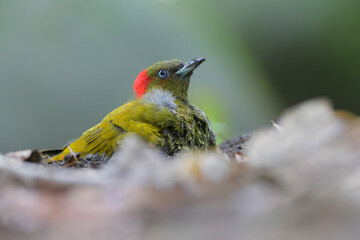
161	114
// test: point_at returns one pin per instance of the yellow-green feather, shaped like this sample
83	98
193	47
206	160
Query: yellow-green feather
137	116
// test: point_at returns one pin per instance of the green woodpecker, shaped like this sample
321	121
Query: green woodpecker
161	114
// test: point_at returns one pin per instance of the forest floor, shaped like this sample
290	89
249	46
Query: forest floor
296	179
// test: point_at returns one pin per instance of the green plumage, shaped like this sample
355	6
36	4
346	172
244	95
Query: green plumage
162	116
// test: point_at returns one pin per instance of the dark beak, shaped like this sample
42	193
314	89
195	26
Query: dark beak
189	67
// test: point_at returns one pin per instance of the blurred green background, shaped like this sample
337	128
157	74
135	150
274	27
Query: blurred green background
66	64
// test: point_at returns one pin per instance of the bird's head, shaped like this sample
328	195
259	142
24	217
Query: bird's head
172	76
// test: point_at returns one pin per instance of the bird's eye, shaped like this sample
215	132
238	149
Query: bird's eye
163	73
180	66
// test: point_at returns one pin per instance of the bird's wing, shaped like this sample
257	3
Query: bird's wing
144	119
138	117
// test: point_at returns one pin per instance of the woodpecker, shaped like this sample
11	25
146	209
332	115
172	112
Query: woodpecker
161	114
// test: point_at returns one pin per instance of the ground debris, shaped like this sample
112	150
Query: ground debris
298	183
33	156
76	161
234	146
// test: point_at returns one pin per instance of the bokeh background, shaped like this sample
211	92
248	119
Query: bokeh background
66	64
